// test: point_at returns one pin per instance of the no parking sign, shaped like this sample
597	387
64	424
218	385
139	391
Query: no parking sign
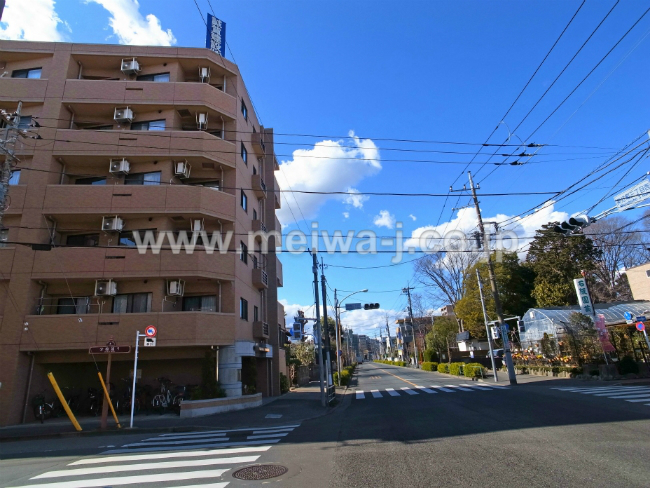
151	331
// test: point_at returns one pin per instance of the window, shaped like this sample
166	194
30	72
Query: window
127	239
207	303
98	127
157	77
149	125
254	214
210	184
15	177
244	154
4	237
244	201
244	110
82	240
25	122
71	306
243	253
152	178
95	180
256	313
647	273
243	309
132	303
27	73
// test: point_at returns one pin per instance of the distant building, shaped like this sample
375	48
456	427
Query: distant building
639	278
447	310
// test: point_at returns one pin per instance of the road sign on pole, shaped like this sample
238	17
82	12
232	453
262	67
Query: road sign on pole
150	331
150	341
640	326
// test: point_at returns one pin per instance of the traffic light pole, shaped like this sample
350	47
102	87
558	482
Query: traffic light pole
407	290
487	328
493	285
317	332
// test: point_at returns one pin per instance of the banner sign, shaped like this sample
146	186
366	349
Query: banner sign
583	296
636	194
215	39
602	333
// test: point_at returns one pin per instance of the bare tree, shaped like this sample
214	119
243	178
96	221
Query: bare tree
444	274
621	247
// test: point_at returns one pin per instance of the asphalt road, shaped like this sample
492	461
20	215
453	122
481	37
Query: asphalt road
408	428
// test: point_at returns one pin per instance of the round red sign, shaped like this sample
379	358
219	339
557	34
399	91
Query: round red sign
150	331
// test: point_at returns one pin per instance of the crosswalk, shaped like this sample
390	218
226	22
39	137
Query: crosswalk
631	394
183	460
429	390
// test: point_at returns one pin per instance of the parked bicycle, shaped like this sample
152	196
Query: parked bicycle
163	400
42	409
123	404
181	393
94	402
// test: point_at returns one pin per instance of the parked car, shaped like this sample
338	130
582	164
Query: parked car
498	353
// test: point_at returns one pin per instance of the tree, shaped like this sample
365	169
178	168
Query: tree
303	352
514	282
583	338
556	261
620	248
443	332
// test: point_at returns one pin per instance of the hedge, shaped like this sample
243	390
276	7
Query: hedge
345	378
472	370
443	368
456	368
429	366
394	363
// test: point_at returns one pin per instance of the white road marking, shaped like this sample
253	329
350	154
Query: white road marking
265	436
409	391
478	387
198	446
426	390
197	435
459	387
375	393
392	392
639	400
271	431
231	430
129	480
164	441
620	396
360	395
144	466
150	457
442	388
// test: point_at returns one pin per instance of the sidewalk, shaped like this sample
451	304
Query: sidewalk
294	407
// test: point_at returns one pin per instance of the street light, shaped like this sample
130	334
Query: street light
337	305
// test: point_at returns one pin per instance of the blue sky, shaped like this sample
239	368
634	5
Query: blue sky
416	70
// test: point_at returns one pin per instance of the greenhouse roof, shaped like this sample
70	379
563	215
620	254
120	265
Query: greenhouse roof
613	312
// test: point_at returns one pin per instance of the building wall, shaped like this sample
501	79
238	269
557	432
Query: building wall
73	102
639	279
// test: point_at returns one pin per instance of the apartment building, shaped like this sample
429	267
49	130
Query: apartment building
135	139
639	278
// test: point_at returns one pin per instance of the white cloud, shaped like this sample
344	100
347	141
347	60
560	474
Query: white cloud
346	215
131	27
413	217
328	166
466	222
37	21
384	219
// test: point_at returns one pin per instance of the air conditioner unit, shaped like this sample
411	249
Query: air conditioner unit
112	224
202	121
124	114
175	288
182	169
204	75
130	66
198	225
119	167
105	288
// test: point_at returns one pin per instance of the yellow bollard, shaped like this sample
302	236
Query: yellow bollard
108	399
57	390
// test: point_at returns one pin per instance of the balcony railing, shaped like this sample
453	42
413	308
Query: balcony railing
258	185
260	330
258	144
260	278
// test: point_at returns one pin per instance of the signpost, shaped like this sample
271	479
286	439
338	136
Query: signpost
629	318
110	348
150	328
215	39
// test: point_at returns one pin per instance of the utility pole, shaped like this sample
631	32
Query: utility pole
337	320
487	328
318	336
407	290
7	146
493	285
326	329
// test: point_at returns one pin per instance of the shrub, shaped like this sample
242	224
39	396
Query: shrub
628	365
430	356
443	368
472	370
429	366
456	368
284	383
345	378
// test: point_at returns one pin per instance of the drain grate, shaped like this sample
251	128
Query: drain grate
260	472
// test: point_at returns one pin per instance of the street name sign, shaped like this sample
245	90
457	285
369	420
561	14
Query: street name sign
109	350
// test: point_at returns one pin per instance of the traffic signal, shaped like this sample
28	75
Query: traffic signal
296	332
521	326
495	332
573	224
370	306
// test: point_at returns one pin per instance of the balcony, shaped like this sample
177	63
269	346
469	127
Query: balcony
27	90
175	329
258	145
62	200
115	263
16	199
260	279
192	96
168	144
258	226
258	185
278	272
260	330
276	198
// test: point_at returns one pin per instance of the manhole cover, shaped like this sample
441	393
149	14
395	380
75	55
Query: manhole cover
261	472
